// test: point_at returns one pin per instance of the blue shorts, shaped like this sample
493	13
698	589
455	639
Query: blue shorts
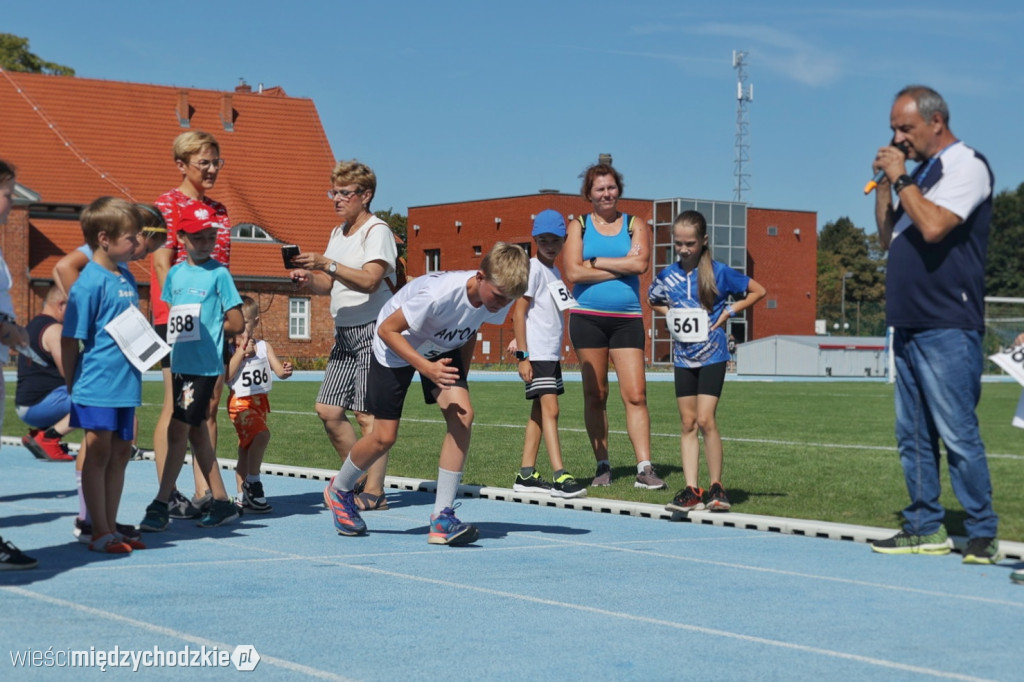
120	420
48	411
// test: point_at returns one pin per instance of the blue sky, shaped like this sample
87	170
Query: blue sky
453	101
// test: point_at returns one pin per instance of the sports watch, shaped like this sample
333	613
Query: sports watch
332	268
522	354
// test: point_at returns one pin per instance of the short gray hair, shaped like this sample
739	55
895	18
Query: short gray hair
928	102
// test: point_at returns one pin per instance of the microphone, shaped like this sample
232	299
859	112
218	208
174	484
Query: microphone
873	183
880	175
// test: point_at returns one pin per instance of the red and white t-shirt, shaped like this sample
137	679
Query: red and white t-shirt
170	204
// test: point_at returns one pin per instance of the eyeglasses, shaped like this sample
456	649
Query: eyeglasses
343	193
207	164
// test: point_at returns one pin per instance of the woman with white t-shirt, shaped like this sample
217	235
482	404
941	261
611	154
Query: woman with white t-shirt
357	270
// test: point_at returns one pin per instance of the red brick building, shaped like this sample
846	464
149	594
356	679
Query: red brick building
778	248
75	139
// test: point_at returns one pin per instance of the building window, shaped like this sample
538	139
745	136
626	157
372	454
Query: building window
773	230
478	250
298	318
247	231
772	304
433	259
527	247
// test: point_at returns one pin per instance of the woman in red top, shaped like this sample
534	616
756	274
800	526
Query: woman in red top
197	156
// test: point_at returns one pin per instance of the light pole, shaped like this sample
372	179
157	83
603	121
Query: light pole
842	305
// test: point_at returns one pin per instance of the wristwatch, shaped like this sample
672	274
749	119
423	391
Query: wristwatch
902	182
522	354
593	262
332	268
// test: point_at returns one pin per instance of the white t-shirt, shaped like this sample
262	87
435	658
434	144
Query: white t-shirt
544	322
6	302
439	314
372	241
255	376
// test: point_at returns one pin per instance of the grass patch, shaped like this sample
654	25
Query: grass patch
810	450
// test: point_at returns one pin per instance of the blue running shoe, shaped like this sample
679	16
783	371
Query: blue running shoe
445	529
343	507
157	518
221	512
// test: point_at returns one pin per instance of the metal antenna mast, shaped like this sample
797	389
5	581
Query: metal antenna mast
744	95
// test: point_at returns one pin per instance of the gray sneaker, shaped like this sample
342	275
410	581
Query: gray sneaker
907	543
181	507
603	477
649	479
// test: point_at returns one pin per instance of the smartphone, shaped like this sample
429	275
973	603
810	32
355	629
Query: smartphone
289	251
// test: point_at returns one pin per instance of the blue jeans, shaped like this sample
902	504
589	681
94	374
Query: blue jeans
938	384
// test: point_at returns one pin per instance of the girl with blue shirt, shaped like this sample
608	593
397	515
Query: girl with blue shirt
693	293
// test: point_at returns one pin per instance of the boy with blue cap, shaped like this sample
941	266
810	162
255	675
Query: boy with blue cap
537	318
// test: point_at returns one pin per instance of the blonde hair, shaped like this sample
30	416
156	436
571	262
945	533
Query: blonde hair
193	142
707	289
250	308
355	172
110	215
507	266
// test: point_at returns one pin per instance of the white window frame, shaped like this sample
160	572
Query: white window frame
298	320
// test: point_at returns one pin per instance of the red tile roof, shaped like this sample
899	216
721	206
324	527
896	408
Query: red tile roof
75	139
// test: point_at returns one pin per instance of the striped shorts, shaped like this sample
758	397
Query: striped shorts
547	378
348	367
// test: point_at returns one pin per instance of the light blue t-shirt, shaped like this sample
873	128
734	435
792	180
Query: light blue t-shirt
210	285
104	377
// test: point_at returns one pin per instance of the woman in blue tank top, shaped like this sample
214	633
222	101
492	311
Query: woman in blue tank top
604	255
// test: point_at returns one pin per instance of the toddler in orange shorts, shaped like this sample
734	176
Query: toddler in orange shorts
251	371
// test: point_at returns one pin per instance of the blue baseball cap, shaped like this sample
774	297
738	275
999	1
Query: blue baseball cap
549	222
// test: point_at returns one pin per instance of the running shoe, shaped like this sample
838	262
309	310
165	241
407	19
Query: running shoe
221	512
45	448
343	508
603	477
718	501
982	551
687	500
649	479
566	486
111	545
445	529
531	484
907	543
157	517
1018	576
13	559
180	507
83	531
253	499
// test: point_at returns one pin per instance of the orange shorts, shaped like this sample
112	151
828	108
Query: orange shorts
249	415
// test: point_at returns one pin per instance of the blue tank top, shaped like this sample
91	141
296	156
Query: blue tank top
619	296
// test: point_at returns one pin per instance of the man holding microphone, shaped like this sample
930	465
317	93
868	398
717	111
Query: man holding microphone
935	224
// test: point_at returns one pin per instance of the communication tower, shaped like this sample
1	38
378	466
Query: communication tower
744	95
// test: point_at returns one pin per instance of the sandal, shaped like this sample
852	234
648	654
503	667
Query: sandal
371	502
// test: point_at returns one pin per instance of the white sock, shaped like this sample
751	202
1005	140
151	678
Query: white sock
640	466
83	511
347	476
447	489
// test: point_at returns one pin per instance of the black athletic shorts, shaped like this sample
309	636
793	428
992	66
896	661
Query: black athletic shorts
707	380
388	386
605	331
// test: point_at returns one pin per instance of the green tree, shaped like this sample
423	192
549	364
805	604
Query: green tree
1003	274
847	254
399	225
15	56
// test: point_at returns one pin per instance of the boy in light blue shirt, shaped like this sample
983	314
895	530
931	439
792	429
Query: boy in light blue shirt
204	305
105	386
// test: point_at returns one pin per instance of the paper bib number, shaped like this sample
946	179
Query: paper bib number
254	379
1011	360
183	323
559	292
688	325
430	350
